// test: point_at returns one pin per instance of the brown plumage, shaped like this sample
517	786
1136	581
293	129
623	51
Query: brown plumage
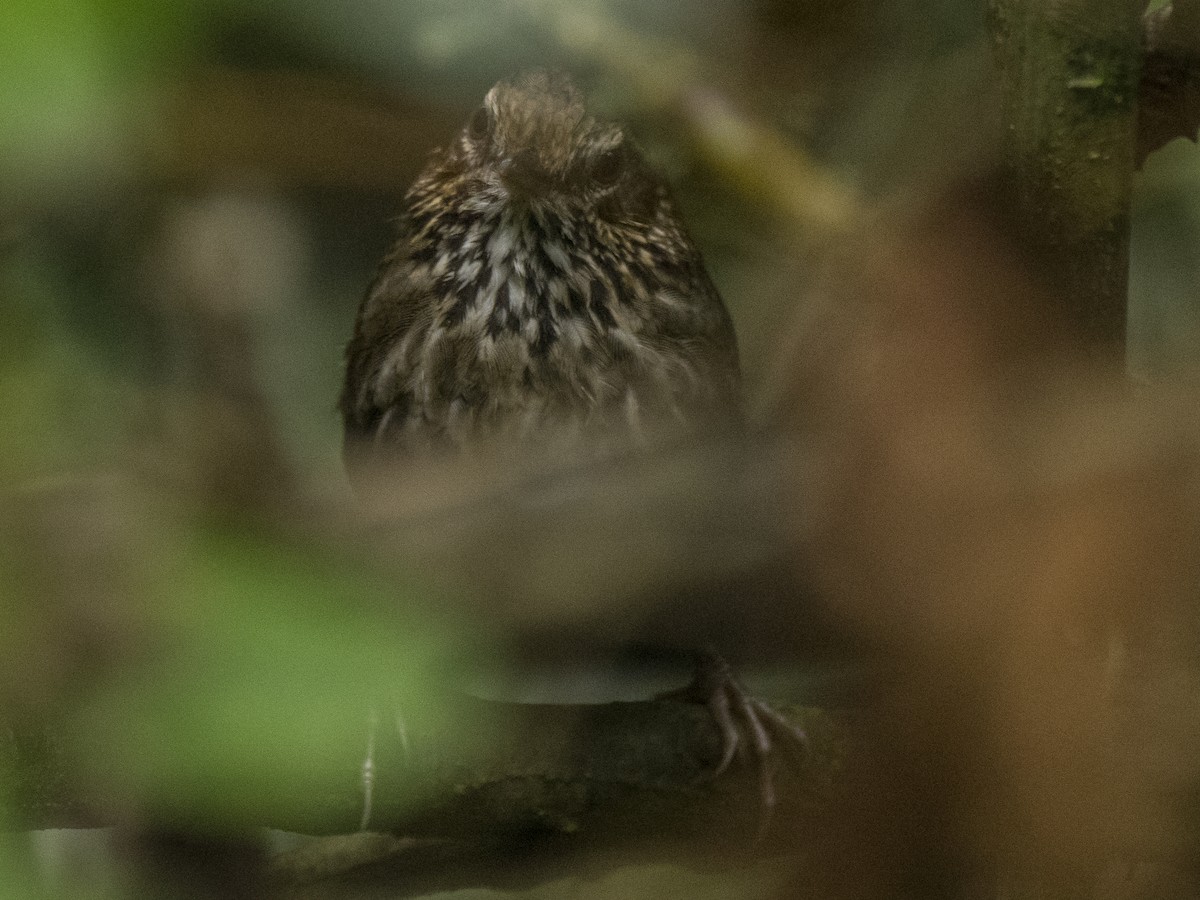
544	299
542	295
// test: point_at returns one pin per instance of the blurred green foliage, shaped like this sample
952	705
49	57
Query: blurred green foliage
1164	312
242	662
62	409
256	690
75	76
18	874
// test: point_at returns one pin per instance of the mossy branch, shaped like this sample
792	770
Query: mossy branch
587	774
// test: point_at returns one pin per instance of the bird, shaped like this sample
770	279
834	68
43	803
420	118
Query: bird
542	295
543	301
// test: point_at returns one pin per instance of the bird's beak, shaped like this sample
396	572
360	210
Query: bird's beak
523	175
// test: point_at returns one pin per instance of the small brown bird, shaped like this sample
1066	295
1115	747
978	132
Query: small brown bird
542	295
544	298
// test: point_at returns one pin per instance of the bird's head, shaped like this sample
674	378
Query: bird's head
532	142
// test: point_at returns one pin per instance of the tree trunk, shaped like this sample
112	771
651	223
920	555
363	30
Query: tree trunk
1068	73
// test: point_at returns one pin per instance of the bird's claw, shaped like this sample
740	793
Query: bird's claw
748	726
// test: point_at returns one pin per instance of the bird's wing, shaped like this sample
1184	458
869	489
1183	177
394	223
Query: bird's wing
374	399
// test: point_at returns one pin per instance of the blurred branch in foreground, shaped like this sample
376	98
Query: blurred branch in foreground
1009	524
298	129
560	782
750	154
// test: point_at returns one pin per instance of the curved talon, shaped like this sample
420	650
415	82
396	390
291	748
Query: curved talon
746	723
718	708
748	708
797	734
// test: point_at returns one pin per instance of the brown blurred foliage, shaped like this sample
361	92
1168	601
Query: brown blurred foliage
1014	525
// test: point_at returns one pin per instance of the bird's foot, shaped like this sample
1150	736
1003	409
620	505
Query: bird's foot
749	727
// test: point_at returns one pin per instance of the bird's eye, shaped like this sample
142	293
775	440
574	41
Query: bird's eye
480	125
607	169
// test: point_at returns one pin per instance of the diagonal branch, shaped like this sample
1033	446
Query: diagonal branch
557	784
